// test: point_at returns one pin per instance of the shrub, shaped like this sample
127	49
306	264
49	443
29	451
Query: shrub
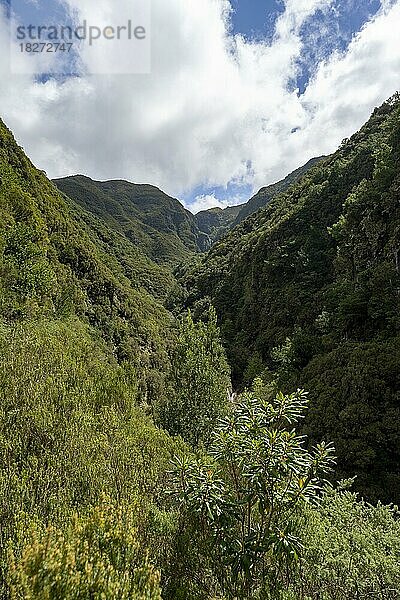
353	551
97	557
245	499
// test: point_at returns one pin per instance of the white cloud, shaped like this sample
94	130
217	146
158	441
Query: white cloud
206	201
296	12
215	109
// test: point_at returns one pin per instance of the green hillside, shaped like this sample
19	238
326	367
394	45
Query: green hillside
307	291
128	468
89	361
216	222
266	194
52	266
80	347
123	255
154	222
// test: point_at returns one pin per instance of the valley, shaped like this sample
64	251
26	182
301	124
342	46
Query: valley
129	469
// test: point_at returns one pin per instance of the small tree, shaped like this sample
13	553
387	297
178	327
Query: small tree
200	379
245	499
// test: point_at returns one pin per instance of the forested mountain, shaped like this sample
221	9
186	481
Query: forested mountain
89	362
216	222
54	265
154	222
266	194
128	468
79	350
307	291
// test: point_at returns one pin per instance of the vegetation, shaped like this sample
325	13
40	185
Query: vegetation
156	225
120	254
200	379
247	495
148	218
268	193
352	551
307	293
128	467
70	430
97	557
216	222
258	520
81	349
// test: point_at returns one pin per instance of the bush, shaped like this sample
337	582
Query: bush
353	551
70	429
97	557
246	498
199	379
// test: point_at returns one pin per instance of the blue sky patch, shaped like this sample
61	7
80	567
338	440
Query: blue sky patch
322	34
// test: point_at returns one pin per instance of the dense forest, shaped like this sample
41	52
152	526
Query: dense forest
181	422
308	295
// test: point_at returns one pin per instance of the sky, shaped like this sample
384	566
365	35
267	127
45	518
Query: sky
239	93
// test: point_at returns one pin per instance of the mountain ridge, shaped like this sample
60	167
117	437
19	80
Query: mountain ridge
216	222
108	401
267	193
157	223
315	277
53	265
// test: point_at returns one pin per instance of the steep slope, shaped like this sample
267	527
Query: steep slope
122	254
307	290
216	222
52	266
83	354
156	223
266	194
